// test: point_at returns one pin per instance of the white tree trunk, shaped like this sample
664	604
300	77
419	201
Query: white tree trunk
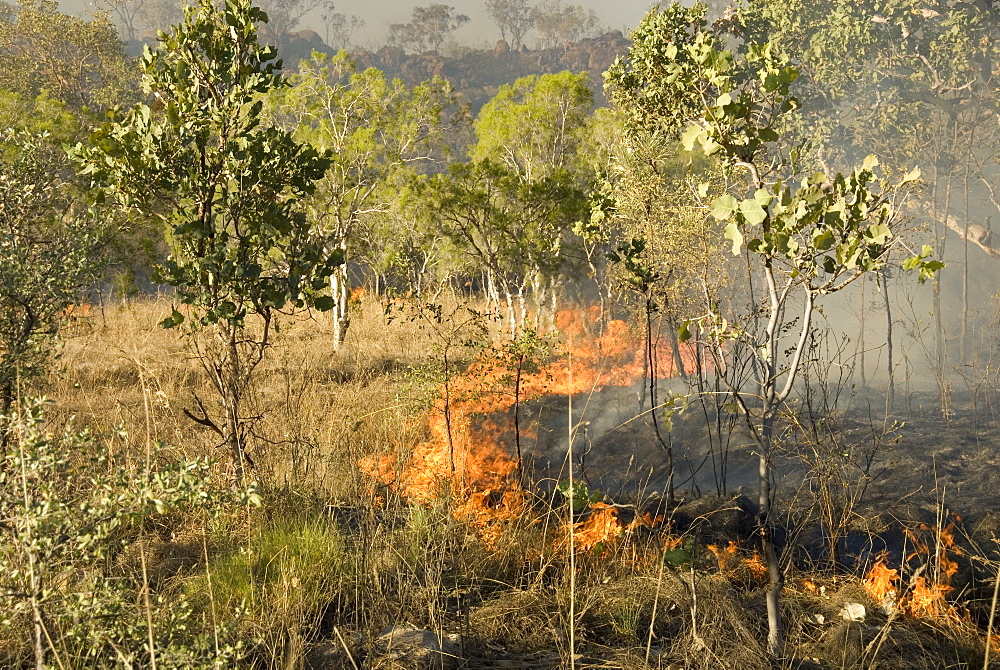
340	291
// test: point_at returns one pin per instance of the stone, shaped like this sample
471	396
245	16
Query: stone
406	647
853	612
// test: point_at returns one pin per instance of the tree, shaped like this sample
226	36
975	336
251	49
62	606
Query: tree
69	505
372	128
160	14
428	28
559	25
513	17
535	125
916	82
515	231
532	130
805	235
284	15
49	251
127	12
339	28
227	185
79	62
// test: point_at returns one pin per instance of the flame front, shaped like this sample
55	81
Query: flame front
470	452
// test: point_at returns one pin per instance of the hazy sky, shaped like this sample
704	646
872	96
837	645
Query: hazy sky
621	14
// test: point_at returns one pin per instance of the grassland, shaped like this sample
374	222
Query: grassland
312	568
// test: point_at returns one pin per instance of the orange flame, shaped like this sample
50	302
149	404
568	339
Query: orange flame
470	449
77	311
599	528
926	597
735	566
881	580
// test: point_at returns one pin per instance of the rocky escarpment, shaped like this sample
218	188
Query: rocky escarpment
477	74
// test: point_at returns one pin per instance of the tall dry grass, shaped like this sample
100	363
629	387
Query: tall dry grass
329	559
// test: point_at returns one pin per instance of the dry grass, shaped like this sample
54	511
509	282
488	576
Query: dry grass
330	556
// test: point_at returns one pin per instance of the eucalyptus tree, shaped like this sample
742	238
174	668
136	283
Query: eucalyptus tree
513	18
284	15
226	184
339	28
536	125
558	24
515	231
429	27
77	61
374	130
50	244
535	131
914	81
806	235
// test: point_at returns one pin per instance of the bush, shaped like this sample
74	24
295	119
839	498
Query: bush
69	512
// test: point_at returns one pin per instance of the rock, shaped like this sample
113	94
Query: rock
310	36
853	612
406	647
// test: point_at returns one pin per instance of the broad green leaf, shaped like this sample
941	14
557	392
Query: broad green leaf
679	556
733	232
753	212
710	146
879	233
723	207
911	176
823	239
768	135
324	303
684	332
763	197
691	136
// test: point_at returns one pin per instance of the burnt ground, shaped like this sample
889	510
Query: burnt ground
882	472
896	480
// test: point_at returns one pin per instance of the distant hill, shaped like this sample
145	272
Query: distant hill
476	74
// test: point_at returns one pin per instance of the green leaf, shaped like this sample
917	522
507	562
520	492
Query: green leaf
175	319
823	239
324	303
733	232
928	269
753	212
763	197
767	135
723	207
691	136
911	176
879	233
681	555
684	332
